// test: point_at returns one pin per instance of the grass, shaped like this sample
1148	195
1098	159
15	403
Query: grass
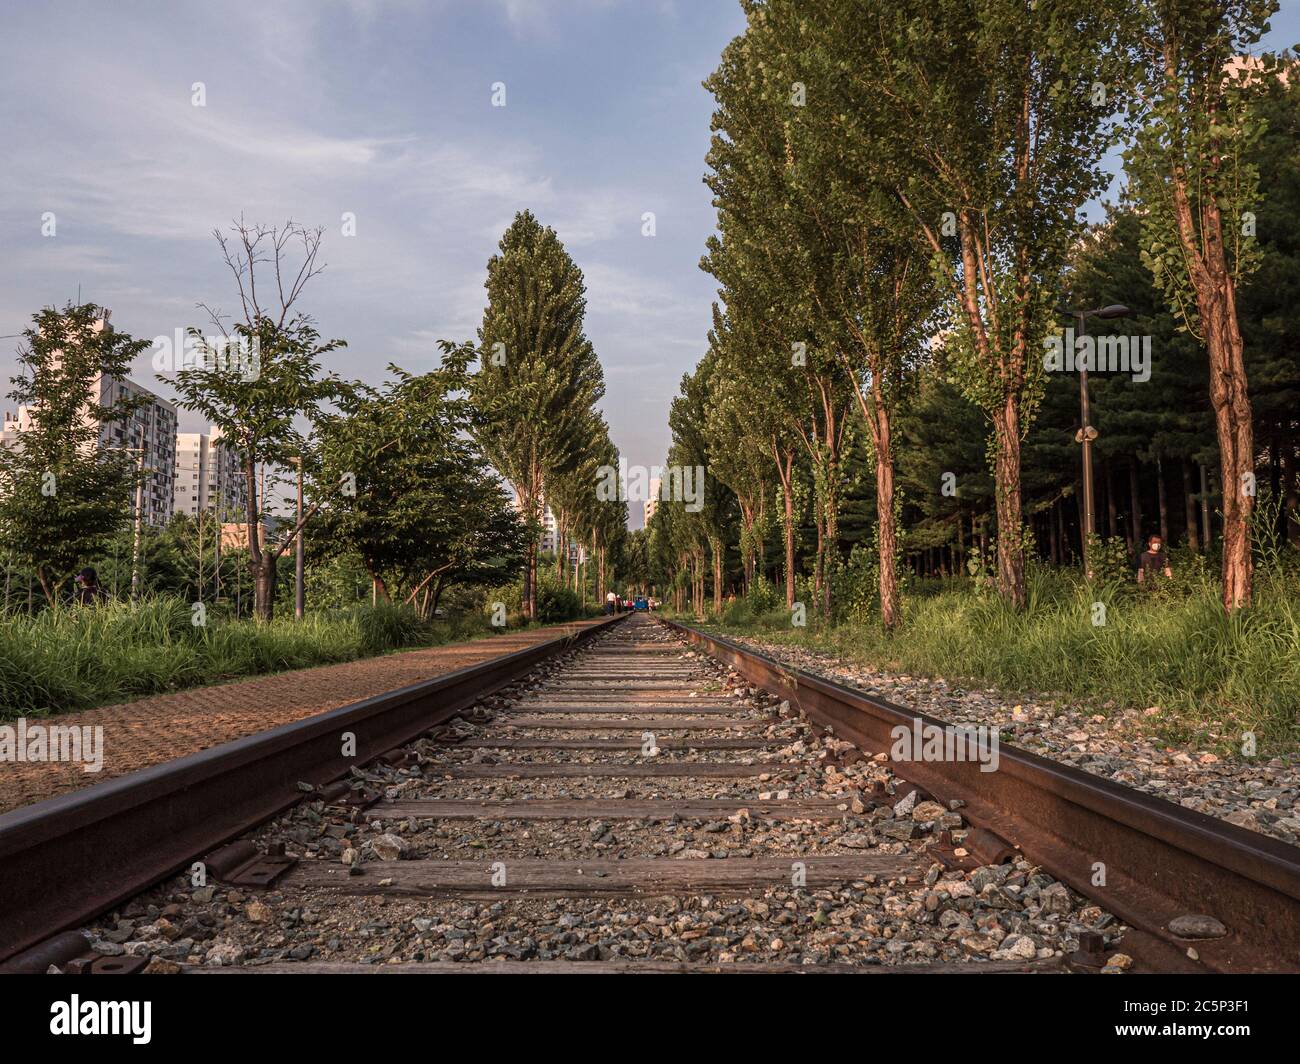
68	658
1214	676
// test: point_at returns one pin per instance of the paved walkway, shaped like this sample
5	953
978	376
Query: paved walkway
161	728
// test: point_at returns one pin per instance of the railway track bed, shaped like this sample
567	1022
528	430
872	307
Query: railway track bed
643	797
692	823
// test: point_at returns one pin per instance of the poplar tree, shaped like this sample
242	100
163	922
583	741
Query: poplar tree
538	374
1194	172
998	113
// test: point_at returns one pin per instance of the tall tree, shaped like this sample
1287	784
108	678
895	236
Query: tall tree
774	256
262	375
1269	307
1195	174
867	277
996	114
538	375
706	514
62	495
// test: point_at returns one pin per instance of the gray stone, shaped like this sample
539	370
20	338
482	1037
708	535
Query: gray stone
1196	926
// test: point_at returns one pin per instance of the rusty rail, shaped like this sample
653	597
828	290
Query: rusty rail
1144	859
69	858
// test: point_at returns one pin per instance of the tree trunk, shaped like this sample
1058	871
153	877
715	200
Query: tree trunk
1053	543
960	563
1189	507
263	573
1290	492
1112	523
787	490
1206	527
529	603
819	569
1199	223
264	587
1162	500
717	577
888	546
1135	507
1011	554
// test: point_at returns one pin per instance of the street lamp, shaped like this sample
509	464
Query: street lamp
1087	433
299	585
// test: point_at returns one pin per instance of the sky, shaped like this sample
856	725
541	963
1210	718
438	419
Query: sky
381	109
384	109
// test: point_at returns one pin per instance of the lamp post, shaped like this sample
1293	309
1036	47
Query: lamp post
299	587
1087	433
139	515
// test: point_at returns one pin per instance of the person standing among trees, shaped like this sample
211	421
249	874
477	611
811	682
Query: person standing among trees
88	592
1153	560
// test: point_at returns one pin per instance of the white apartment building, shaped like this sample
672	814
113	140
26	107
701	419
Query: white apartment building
651	504
208	478
151	428
550	531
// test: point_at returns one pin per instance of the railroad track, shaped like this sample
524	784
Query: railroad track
624	801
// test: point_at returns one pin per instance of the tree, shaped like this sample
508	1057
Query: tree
738	456
867	276
706	516
772	257
991	134
262	375
538	373
1195	174
422	509
62	494
636	570
1269	308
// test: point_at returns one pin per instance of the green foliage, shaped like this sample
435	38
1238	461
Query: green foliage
538	375
860	592
1110	561
67	658
62	496
1212	675
1196	129
422	510
763	596
556	602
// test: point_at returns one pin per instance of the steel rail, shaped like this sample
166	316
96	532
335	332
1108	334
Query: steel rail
67	859
1142	858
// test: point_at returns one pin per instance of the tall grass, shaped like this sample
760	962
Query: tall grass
72	658
1214	676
